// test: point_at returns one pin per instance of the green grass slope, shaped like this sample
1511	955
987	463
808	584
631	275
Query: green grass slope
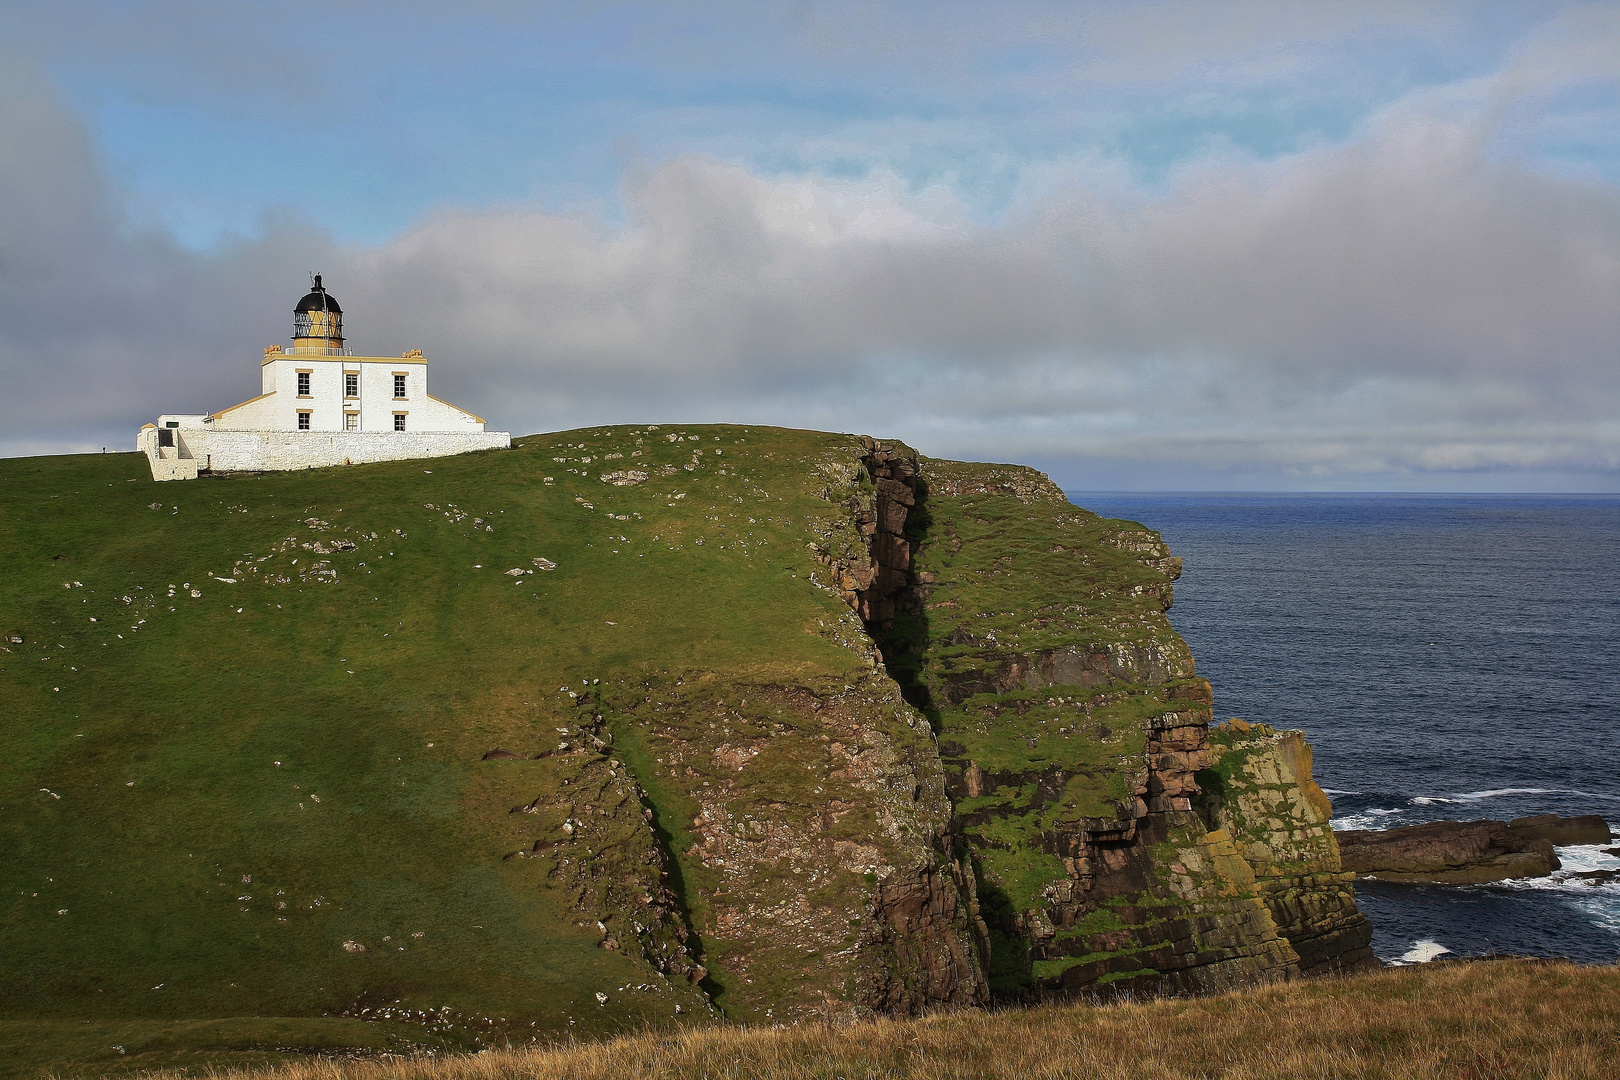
246	721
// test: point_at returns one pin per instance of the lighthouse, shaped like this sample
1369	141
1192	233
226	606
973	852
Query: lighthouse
320	405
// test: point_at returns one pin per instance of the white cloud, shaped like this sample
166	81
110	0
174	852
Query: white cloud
1396	307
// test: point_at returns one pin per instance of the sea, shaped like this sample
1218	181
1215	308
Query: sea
1447	656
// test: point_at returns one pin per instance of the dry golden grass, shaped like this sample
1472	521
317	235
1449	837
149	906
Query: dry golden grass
1485	1020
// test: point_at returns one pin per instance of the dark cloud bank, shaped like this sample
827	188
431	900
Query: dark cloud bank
1400	311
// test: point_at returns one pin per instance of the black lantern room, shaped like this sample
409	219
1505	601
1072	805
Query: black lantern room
318	323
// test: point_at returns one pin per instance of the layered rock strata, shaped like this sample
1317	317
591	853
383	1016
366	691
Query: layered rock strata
877	496
1072	728
1018	811
1258	789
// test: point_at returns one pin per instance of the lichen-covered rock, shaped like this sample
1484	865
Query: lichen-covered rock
1072	727
810	830
1258	788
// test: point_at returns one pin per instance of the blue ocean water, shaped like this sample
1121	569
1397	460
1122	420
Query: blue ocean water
1447	656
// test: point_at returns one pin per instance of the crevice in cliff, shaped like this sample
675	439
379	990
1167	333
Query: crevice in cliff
891	513
889	510
1151	896
1120	906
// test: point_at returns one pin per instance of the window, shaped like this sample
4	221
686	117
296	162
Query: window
399	385
351	384
303	384
399	420
303	421
351	421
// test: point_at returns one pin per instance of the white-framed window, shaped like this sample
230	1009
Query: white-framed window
351	421
303	420
399	385
399	421
303	384
351	384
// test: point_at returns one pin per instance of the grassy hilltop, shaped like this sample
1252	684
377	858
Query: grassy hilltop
211	785
585	737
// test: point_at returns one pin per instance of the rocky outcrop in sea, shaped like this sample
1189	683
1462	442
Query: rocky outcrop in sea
1467	852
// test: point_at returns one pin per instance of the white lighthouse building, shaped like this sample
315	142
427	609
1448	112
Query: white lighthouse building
321	405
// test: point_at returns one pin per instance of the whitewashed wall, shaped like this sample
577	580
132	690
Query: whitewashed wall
326	404
278	451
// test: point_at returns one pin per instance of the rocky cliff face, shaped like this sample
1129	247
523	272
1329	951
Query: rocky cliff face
809	823
1072	729
878	495
810	831
1017	793
1258	791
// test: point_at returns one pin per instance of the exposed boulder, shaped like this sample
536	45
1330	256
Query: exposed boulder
1448	853
1563	831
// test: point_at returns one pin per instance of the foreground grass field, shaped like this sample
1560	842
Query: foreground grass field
1478	1021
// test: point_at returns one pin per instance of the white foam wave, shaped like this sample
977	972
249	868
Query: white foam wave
1605	915
1371	819
1475	796
1606	892
1577	859
1338	791
1422	952
1584	857
1431	800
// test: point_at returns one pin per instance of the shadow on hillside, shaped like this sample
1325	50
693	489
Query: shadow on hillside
677	885
906	640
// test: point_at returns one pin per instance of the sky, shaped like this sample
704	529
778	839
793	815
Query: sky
1301	245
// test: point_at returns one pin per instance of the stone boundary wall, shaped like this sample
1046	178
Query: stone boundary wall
281	451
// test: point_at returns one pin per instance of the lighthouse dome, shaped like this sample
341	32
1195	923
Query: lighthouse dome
318	323
318	299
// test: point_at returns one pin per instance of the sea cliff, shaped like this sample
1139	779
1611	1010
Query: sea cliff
624	726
